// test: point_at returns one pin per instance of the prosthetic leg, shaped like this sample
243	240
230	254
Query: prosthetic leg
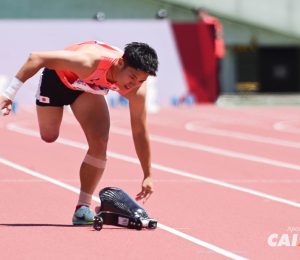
119	209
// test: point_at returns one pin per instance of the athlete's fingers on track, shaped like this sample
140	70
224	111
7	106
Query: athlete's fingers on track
147	197
144	195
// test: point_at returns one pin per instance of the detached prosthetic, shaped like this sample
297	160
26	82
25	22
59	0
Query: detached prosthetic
119	209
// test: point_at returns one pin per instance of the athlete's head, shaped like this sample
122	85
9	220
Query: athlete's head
142	57
137	63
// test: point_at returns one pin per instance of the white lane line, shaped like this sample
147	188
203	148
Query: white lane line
183	144
287	126
34	180
226	185
173	231
162	168
195	127
214	150
168	181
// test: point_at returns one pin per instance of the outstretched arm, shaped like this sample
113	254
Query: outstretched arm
78	62
137	106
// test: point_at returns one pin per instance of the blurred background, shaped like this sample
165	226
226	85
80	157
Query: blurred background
210	51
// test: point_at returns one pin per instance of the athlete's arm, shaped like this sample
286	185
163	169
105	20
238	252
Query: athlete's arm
138	113
79	62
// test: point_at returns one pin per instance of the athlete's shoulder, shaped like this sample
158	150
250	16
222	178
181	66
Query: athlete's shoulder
109	46
96	46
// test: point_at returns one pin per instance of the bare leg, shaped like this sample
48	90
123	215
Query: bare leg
49	119
92	113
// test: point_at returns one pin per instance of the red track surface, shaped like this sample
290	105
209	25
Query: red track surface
227	177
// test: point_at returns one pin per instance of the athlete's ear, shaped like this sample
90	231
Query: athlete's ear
121	62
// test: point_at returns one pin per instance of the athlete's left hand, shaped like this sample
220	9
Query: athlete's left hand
147	190
5	105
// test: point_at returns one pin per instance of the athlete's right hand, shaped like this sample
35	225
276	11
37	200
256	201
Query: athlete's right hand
5	105
147	190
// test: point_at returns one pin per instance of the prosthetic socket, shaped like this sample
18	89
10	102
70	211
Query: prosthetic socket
119	209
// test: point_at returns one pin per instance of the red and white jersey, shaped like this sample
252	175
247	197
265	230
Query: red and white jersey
96	83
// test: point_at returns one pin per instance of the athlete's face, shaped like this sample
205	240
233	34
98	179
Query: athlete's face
129	77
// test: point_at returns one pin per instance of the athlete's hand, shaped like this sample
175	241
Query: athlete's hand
147	190
5	105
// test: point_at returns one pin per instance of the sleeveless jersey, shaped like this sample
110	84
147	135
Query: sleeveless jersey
96	82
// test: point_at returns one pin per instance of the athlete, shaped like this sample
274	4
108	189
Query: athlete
80	76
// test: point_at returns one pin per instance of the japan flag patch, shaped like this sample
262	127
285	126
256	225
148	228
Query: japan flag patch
45	100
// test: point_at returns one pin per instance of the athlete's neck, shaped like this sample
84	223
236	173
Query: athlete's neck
111	74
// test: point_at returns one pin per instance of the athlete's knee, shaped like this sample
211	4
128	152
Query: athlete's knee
98	145
49	137
103	141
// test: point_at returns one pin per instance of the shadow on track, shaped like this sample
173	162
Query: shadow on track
37	225
54	225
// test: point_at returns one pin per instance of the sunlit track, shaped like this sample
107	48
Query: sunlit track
197	128
231	117
288	126
166	169
214	150
171	230
168	181
204	128
211	201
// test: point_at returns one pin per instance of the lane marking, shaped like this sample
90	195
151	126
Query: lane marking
184	144
214	150
193	127
173	231
34	180
287	126
162	168
168	181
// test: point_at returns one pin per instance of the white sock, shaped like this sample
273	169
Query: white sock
84	199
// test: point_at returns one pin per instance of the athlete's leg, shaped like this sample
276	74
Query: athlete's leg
51	96
49	119
92	113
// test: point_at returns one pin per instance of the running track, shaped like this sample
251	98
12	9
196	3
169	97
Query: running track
225	180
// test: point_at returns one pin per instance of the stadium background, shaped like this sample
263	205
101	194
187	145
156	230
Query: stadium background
262	44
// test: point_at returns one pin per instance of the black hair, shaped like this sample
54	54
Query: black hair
142	57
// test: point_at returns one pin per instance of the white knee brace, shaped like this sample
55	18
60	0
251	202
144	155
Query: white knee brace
95	162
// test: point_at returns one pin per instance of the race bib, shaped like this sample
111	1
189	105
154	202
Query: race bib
94	89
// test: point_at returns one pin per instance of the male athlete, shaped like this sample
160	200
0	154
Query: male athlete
79	76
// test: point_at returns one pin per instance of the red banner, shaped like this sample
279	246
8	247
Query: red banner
196	45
